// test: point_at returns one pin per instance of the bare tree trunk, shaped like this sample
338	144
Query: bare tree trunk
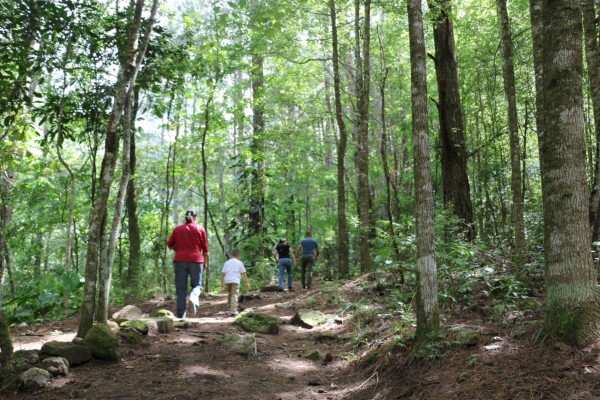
513	128
133	269
572	301
455	180
592	51
342	231
257	198
363	83
125	80
7	371
428	319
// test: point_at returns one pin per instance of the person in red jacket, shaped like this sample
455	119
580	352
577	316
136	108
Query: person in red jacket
191	258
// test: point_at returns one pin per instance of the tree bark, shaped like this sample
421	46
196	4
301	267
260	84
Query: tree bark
257	199
126	79
363	83
6	352
342	229
592	52
132	292
572	311
428	320
455	181
508	71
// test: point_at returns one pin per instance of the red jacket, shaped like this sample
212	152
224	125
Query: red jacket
189	242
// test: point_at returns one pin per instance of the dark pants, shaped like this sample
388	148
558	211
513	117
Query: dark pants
182	270
307	262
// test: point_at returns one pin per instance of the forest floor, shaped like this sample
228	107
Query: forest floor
190	364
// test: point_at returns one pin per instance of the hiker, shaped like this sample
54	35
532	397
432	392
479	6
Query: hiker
307	252
232	272
284	257
191	258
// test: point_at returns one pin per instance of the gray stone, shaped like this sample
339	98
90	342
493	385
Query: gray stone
56	365
309	318
241	344
35	378
74	353
127	313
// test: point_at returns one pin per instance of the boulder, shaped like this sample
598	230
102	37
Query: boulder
74	353
309	318
139	325
241	344
127	313
162	313
258	323
35	378
22	360
56	365
103	343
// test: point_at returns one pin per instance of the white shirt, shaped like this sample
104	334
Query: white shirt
233	269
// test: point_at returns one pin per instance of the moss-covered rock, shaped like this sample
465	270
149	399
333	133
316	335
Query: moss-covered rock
313	355
103	343
162	313
241	344
138	324
258	323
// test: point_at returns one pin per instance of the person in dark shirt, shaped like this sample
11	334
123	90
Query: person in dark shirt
191	258
285	259
307	252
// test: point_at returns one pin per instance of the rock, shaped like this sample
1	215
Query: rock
241	344
314	355
22	360
127	313
103	343
35	378
327	359
309	318
162	313
139	325
74	353
258	323
56	365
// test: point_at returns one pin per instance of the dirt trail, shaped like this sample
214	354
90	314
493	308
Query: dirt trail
192	364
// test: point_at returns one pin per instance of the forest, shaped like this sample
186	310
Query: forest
444	154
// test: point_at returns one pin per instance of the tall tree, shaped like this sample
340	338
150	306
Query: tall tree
572	300
342	223
127	74
362	58
508	71
592	53
428	319
455	181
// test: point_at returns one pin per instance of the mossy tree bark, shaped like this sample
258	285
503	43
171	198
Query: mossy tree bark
572	301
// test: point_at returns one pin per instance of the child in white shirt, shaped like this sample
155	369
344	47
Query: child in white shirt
232	271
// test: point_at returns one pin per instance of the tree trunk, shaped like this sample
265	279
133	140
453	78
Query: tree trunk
455	181
126	79
6	351
592	51
342	231
363	83
428	320
508	70
132	290
257	198
572	311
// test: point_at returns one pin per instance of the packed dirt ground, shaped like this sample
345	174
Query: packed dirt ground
363	358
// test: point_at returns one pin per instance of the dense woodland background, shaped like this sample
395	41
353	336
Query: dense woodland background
276	117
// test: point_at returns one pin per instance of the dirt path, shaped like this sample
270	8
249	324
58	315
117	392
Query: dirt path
192	363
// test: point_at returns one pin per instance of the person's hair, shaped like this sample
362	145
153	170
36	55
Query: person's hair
308	233
190	214
282	240
234	253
